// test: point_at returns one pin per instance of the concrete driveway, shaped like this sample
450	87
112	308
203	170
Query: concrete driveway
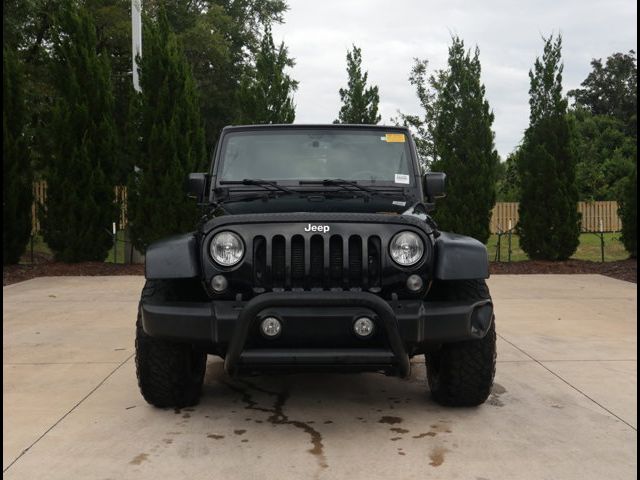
563	406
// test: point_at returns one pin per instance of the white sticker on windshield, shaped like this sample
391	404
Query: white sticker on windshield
402	178
398	203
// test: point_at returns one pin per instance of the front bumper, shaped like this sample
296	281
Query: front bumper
317	329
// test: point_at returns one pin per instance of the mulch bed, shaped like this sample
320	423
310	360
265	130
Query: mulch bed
19	273
622	269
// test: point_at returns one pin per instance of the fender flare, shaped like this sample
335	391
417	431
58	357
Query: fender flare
172	258
460	258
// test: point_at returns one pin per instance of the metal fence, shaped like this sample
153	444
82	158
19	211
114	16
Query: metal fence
596	216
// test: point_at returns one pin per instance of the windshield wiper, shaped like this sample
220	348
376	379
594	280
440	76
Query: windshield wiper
260	183
348	185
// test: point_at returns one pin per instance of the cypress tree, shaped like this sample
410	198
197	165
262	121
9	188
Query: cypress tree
422	126
628	211
464	146
359	102
80	196
172	140
549	225
266	91
17	175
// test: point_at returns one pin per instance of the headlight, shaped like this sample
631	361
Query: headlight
226	249
406	248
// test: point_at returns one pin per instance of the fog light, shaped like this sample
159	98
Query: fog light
414	283
363	327
219	283
271	327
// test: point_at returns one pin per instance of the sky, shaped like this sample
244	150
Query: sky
392	33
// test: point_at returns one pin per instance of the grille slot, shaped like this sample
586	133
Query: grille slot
297	261
278	259
355	260
317	261
374	260
316	266
335	260
259	260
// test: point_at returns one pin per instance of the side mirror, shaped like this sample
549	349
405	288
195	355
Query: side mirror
195	185
434	185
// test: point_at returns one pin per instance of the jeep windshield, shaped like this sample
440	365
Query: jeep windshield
307	156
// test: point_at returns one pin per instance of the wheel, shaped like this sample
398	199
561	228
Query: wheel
461	373
170	374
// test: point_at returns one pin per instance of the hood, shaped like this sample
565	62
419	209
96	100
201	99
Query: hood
316	203
414	220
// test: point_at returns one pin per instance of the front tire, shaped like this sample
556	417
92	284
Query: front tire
461	374
170	374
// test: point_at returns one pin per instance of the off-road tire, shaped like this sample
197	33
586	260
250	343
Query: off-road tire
170	374
461	374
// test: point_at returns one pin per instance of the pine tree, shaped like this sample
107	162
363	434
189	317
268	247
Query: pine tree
17	174
266	91
80	196
549	224
359	102
172	140
464	146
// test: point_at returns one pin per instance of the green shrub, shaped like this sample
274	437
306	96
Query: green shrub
16	168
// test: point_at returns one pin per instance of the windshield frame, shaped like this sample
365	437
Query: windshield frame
414	173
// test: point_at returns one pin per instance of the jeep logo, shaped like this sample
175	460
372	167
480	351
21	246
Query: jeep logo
317	228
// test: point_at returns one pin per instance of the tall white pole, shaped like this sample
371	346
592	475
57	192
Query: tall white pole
136	39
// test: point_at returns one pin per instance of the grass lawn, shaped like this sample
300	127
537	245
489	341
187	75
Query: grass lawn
588	249
120	248
41	249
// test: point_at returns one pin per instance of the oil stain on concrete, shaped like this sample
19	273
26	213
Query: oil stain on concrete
277	415
139	459
390	420
437	456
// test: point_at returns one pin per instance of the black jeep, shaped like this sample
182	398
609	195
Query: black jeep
316	252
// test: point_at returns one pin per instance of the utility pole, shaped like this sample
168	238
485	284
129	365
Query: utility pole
136	39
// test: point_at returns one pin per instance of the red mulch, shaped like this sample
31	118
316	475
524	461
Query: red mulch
622	269
19	273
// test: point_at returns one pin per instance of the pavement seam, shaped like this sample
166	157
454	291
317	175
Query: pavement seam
22	282
569	384
67	414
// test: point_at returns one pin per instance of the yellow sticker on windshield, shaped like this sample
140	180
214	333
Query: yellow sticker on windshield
394	137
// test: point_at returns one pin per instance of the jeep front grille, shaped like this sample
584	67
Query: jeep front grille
316	261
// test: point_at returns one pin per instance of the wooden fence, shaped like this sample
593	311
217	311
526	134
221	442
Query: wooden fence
596	216
504	216
600	216
40	200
